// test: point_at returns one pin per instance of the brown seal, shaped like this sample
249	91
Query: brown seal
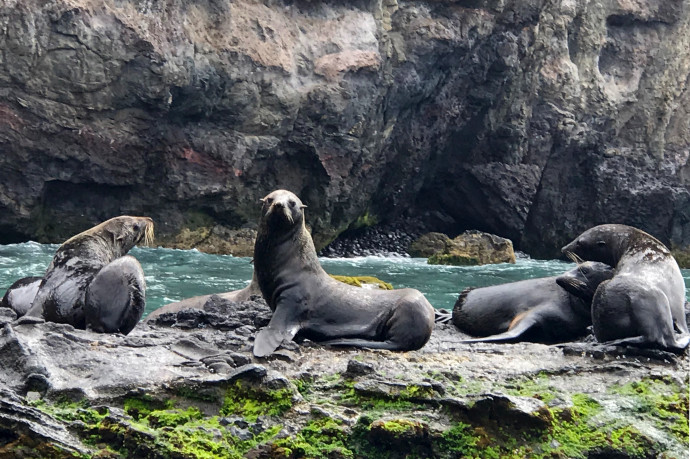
644	302
305	300
546	310
197	302
86	257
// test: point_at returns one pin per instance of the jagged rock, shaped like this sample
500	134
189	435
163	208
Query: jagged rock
435	402
475	248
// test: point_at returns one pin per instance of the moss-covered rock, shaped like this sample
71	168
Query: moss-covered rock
158	393
474	248
429	244
364	281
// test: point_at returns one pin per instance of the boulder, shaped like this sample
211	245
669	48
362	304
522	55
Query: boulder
429	244
475	248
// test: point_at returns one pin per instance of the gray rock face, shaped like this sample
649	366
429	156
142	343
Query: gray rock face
531	120
198	357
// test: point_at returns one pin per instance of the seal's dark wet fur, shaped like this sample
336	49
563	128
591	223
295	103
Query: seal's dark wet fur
307	301
644	302
538	310
61	295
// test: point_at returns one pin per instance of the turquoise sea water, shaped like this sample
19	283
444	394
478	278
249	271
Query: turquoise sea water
172	275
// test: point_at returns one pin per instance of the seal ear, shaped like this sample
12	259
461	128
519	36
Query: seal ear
303	206
601	243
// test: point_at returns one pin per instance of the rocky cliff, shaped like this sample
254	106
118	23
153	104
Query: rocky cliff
529	119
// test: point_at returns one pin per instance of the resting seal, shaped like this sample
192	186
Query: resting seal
307	301
84	260
546	310
197	302
21	294
643	303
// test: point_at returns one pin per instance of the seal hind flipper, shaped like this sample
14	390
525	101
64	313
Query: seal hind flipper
357	342
518	329
282	327
116	297
679	343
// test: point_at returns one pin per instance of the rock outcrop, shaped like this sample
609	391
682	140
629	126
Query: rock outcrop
186	385
531	120
469	248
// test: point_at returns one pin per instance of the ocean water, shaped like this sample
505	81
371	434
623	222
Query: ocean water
172	275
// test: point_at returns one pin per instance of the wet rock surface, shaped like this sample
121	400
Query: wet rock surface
187	381
530	120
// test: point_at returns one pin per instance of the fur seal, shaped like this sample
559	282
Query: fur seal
546	310
307	301
21	294
83	259
197	302
644	302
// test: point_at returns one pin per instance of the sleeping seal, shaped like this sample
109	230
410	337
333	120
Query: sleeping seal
644	302
86	258
21	294
545	310
197	302
307	301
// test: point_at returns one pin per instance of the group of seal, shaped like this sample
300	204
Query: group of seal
643	304
630	290
91	282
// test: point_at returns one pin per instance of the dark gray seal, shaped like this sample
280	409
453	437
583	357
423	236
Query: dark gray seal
307	301
21	294
84	258
644	302
546	310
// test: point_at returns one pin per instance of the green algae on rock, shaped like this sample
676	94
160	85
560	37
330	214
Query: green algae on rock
361	281
474	248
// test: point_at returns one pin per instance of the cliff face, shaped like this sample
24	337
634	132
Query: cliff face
530	119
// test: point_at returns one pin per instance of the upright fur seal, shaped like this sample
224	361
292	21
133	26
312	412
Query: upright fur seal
83	259
307	301
538	310
643	303
21	294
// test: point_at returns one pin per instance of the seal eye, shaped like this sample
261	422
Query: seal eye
601	243
269	201
292	203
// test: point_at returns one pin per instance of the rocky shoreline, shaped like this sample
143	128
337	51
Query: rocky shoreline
187	386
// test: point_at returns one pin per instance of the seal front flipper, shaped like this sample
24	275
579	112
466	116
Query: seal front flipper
368	344
282	327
